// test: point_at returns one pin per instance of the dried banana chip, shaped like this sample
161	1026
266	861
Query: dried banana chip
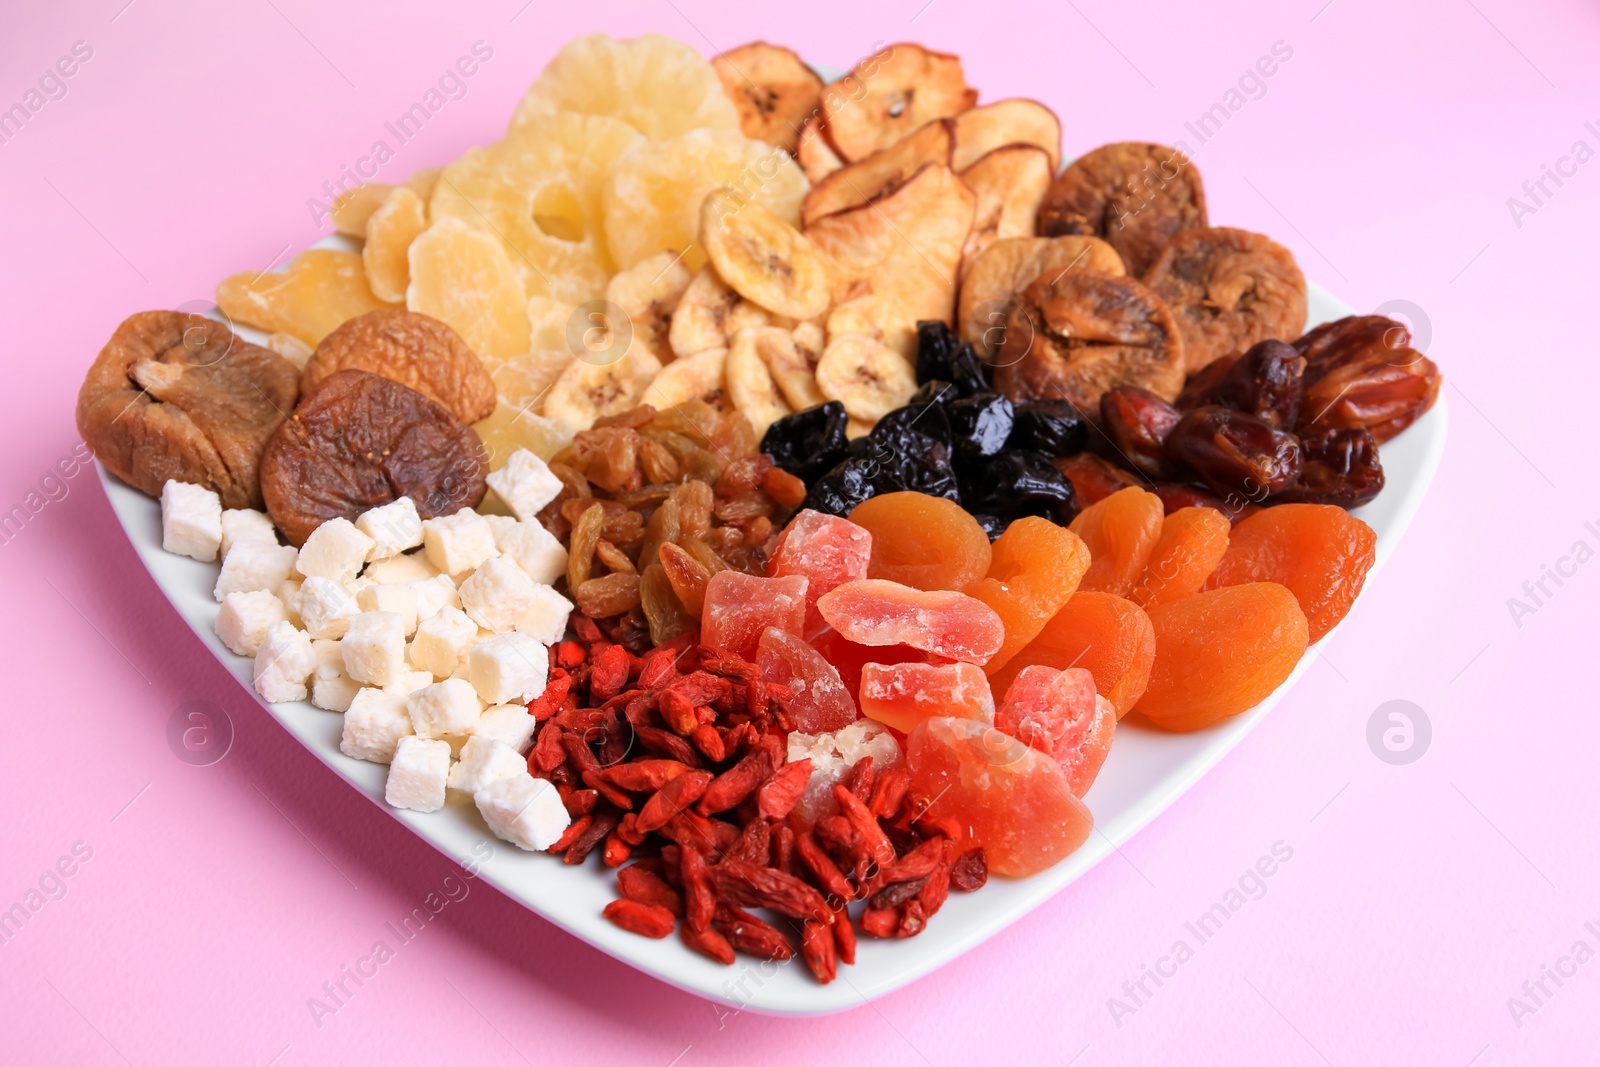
889	94
709	314
461	275
983	129
764	258
648	293
772	89
994	279
879	174
696	377
869	378
748	376
390	231
791	357
586	391
1009	183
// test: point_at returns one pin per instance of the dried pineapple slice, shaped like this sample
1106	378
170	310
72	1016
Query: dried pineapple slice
511	428
462	276
659	86
351	209
390	231
319	291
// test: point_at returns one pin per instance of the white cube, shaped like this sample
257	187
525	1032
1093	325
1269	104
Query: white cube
244	618
534	549
246	526
411	681
508	667
417	774
442	640
523	810
393	527
336	550
375	647
191	520
497	594
400	599
251	566
331	688
509	724
284	664
400	570
375	723
525	484
484	760
325	608
434	595
457	543
444	709
500	525
545	617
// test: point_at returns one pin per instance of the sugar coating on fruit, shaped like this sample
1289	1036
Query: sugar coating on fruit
832	755
1060	714
901	695
820	700
739	608
945	623
827	550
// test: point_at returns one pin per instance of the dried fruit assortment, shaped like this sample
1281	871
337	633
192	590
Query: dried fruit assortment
784	491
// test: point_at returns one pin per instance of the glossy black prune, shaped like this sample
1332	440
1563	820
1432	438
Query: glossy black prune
1337	467
839	490
941	357
980	425
808	443
919	417
1017	483
1054	427
993	525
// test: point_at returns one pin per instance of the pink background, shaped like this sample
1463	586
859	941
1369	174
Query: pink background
1418	899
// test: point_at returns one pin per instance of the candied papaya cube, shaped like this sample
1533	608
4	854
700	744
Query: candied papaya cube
1106	635
849	658
900	695
740	607
948	624
821	703
825	549
1060	714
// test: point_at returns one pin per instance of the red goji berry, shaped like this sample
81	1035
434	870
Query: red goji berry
647	920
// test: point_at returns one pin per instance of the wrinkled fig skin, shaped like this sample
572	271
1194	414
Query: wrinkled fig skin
1135	196
418	351
358	441
176	395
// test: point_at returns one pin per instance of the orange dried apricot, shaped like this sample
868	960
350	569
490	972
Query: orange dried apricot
1034	567
1221	652
1104	634
1120	532
1192	541
923	541
1320	552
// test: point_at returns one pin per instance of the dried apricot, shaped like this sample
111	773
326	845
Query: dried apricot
1320	552
926	542
901	695
1035	566
1192	541
1221	652
321	289
1104	634
879	612
1121	531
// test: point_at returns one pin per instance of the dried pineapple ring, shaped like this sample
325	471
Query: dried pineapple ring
390	231
523	382
653	199
869	378
462	276
648	293
321	289
709	314
659	86
763	257
749	378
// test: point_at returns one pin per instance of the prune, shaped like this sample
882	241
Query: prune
1136	196
360	440
1054	427
920	416
808	443
1228	289
179	396
841	489
1075	335
1361	371
993	525
1136	422
415	350
980	425
1337	467
1236	454
913	461
1266	382
940	356
1017	483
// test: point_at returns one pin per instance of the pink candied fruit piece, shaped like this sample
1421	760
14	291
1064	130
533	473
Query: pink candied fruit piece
948	624
900	695
740	607
1013	800
1060	714
827	550
849	658
821	703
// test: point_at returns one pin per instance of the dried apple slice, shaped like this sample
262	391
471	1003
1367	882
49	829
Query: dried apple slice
772	89
321	289
813	152
390	231
1009	183
879	174
461	275
1017	121
993	280
890	94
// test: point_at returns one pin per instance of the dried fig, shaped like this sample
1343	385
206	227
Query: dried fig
1361	371
1229	289
359	440
175	395
993	280
1075	335
416	350
1136	196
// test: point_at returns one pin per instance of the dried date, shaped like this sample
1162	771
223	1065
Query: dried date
1337	467
1236	454
1361	371
1136	422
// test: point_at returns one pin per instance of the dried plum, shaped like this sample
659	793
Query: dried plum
1136	422
980	425
1017	483
920	415
1337	467
175	395
808	443
1055	427
905	459
993	525
415	350
1234	453
360	440
941	357
842	488
1136	196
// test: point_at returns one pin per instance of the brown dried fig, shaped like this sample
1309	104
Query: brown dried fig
360	440
1137	196
416	350
997	276
1228	290
175	395
1074	335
